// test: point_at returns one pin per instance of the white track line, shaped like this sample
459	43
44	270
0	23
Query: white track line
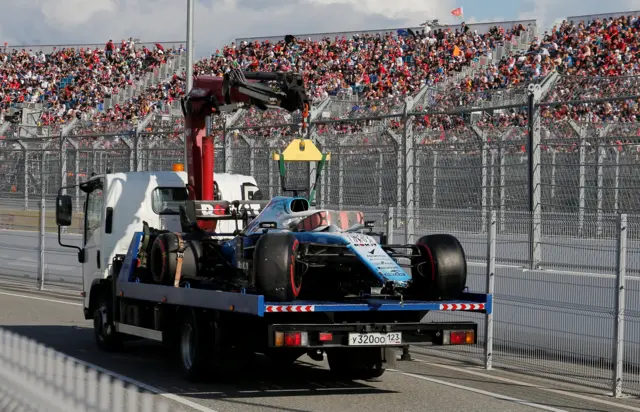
153	389
531	385
131	381
44	299
482	392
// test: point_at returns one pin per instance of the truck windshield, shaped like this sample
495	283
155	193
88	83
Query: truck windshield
167	200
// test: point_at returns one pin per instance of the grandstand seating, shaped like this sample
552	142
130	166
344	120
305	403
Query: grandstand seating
92	85
69	83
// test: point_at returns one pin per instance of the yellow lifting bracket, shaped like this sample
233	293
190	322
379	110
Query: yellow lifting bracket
301	150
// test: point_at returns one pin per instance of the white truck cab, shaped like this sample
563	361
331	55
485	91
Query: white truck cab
117	204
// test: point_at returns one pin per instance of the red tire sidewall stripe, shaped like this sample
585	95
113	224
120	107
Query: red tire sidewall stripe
292	269
164	258
433	263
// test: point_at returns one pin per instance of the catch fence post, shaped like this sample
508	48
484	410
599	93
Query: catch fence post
491	276
621	274
41	244
390	224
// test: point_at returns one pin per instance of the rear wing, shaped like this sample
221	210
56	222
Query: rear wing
223	209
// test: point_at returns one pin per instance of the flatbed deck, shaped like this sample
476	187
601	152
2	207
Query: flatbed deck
252	304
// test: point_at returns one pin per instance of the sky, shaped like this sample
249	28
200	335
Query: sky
218	22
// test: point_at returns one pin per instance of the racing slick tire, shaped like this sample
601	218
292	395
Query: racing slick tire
275	271
361	363
164	257
440	270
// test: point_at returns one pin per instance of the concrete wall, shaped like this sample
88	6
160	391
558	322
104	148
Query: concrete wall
536	310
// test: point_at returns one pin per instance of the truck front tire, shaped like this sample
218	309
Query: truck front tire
104	329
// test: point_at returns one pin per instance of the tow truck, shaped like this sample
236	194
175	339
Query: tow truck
172	257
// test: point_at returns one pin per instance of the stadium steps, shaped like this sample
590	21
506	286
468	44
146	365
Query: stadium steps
161	74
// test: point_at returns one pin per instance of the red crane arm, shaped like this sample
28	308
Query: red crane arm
215	95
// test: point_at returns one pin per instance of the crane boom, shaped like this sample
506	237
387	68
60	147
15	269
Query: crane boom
237	89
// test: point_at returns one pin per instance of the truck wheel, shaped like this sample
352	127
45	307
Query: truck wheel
284	357
275	270
164	258
197	348
440	270
103	328
365	363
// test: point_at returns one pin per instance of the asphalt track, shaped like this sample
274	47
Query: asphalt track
425	384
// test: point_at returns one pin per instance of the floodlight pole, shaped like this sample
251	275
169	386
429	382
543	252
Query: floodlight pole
190	53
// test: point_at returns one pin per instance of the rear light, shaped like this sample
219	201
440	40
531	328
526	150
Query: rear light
458	337
325	337
291	339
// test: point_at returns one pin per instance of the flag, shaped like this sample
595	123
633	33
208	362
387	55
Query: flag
457	12
456	51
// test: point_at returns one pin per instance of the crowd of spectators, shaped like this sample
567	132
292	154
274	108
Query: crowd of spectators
372	73
73	83
593	55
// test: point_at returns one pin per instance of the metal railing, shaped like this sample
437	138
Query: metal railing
568	324
35	378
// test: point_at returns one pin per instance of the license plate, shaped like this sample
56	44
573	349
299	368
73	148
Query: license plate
375	339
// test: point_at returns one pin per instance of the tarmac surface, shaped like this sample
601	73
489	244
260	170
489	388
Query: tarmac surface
55	319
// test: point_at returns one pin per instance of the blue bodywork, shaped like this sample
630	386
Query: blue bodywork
365	247
256	305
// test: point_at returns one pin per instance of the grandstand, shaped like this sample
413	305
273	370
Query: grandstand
89	108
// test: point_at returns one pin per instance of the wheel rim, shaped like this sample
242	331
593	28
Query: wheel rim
99	322
186	346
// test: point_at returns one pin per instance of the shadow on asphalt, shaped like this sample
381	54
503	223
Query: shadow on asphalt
154	364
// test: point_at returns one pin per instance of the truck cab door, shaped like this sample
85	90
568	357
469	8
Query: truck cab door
93	266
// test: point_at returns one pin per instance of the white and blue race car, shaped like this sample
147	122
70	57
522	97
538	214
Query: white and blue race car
291	251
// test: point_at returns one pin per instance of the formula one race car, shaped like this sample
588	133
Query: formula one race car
287	251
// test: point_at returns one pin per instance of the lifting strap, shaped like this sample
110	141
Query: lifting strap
142	251
179	259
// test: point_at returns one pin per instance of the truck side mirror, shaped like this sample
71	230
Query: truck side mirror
81	256
64	210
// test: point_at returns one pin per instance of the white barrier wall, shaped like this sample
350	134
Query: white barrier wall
19	255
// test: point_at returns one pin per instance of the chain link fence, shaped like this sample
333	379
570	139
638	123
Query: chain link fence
557	187
557	323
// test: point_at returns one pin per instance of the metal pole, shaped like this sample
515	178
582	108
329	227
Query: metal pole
582	181
434	183
390	225
600	184
621	273
485	152
42	228
535	252
491	272
41	245
189	60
